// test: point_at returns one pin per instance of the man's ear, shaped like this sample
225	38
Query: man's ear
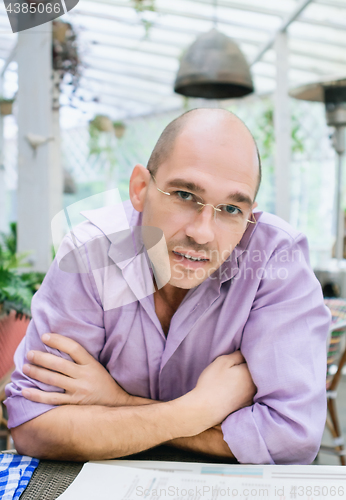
139	182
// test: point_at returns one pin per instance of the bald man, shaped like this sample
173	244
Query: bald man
224	355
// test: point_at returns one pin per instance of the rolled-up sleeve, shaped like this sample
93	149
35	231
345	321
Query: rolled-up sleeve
284	344
68	304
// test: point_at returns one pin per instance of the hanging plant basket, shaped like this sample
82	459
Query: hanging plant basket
60	30
6	107
119	129
66	60
142	5
102	123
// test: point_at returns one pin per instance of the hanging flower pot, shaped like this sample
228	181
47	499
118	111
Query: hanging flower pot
102	123
6	106
59	31
119	129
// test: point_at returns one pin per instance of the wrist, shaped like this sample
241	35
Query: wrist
191	414
139	401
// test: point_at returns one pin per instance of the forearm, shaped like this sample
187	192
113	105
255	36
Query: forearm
209	442
96	432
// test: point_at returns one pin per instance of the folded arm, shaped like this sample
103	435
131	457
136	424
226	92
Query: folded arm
82	429
284	343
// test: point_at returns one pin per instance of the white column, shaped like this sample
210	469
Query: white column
3	218
39	170
282	127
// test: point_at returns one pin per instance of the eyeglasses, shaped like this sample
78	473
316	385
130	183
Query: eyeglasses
226	216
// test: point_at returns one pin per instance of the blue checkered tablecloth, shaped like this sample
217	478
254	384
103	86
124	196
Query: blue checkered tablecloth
15	474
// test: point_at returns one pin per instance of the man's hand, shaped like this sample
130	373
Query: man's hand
226	385
186	422
85	381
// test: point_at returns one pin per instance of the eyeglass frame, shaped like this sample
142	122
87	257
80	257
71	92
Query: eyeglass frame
202	204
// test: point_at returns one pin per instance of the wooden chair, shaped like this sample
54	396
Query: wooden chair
336	356
12	331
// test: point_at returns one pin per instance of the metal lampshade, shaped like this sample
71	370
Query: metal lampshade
330	91
214	68
333	93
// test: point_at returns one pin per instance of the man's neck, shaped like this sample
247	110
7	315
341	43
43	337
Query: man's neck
167	300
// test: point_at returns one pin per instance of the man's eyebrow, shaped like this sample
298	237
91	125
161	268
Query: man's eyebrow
236	197
239	197
182	183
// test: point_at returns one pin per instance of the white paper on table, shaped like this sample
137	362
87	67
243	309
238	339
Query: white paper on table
100	481
258	472
111	480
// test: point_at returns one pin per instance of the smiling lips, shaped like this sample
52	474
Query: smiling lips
191	257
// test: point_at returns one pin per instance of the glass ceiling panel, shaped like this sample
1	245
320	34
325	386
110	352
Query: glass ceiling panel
131	72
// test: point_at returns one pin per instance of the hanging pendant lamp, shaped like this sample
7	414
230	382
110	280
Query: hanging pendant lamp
214	67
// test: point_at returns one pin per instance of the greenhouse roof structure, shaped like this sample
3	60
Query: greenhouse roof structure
130	58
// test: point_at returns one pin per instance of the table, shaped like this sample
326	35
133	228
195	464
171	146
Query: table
52	478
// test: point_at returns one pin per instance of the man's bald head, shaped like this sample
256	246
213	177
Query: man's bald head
165	144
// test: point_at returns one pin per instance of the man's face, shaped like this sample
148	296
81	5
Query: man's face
220	161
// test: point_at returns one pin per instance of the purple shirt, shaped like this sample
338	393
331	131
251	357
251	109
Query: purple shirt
264	300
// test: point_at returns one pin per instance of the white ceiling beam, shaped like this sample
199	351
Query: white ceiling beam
312	55
137	88
131	74
241	6
125	20
332	3
120	95
291	18
188	31
97	103
318	70
129	63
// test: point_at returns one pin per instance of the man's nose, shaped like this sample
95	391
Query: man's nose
202	227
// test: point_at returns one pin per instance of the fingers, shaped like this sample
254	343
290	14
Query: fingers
69	346
48	377
53	362
236	358
48	398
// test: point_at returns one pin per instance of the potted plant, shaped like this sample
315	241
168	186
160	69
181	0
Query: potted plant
60	30
16	287
119	129
15	300
141	6
6	106
101	123
66	60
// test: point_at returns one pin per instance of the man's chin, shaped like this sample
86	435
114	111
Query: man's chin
190	279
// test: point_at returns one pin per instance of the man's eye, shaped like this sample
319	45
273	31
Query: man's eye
184	195
231	210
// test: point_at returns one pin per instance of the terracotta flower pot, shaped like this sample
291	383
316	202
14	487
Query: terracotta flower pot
12	331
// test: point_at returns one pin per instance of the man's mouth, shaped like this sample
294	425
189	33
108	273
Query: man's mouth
193	258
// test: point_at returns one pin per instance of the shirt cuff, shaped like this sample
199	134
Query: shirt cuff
241	433
21	410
